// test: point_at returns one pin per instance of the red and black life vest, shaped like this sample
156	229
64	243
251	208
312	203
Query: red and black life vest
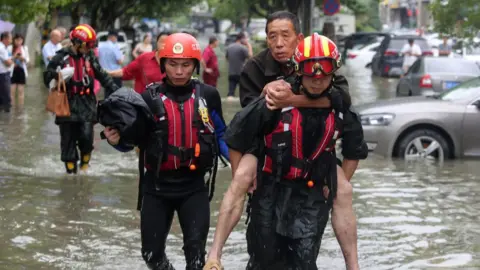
288	135
189	138
83	75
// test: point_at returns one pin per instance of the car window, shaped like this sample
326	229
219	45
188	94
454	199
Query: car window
449	65
102	38
465	91
374	49
397	44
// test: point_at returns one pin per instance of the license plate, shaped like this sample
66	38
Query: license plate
448	85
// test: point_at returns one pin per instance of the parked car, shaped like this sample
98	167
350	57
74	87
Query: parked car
471	53
389	54
363	55
122	41
436	127
359	39
430	75
230	39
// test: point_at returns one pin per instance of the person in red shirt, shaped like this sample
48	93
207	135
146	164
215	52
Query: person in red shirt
145	69
210	63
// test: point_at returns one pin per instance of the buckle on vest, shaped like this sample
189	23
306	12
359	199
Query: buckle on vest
184	154
307	168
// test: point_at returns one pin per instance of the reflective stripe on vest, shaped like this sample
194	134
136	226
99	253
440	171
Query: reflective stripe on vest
182	135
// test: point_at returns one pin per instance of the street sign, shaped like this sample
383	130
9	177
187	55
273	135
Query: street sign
331	7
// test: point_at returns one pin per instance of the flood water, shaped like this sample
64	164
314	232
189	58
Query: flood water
410	215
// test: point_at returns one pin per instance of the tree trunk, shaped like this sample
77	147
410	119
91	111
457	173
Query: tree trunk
293	6
53	18
216	26
94	15
329	31
75	14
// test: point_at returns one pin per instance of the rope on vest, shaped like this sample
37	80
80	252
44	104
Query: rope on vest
141	165
212	179
249	208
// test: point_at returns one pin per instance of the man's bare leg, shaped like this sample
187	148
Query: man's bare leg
231	208
344	222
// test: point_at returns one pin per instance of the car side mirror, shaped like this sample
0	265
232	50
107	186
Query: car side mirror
477	104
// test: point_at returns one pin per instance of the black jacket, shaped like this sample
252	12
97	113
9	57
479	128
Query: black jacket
126	111
263	69
82	107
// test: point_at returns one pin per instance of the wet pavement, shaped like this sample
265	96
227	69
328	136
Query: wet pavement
410	215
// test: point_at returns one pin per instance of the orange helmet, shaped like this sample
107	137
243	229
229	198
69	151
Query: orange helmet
317	56
84	34
181	45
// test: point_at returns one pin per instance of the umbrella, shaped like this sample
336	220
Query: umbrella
6	26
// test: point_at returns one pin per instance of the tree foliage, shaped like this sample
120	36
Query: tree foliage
237	9
24	11
456	17
104	13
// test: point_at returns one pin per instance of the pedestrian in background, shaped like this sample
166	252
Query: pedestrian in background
52	46
145	46
110	55
236	54
145	69
5	63
18	71
210	63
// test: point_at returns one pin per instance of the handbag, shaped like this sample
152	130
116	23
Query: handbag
57	101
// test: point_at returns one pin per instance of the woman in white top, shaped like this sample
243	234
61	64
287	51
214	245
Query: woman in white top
18	71
145	46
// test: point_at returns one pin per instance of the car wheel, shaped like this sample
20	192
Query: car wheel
423	144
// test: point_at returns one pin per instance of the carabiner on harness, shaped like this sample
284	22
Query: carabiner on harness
203	111
86	80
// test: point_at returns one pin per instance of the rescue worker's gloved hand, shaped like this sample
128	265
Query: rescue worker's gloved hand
112	135
213	264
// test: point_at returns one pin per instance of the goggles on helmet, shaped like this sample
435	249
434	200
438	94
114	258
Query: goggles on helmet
318	67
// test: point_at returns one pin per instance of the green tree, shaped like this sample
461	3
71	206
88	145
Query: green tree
456	17
104	13
24	11
235	10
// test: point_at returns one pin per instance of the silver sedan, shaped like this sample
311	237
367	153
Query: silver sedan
436	127
432	75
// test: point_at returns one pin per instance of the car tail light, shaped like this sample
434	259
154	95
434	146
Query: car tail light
390	53
429	53
426	81
351	55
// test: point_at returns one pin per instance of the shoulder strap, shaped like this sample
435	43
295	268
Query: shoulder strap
201	108
326	138
154	101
